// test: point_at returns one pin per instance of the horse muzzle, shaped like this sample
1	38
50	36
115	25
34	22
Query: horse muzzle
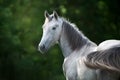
42	48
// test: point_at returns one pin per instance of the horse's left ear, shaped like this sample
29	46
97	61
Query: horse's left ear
55	15
46	14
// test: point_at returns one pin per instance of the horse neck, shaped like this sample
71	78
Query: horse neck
64	45
72	39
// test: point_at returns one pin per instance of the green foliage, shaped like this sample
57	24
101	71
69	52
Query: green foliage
20	33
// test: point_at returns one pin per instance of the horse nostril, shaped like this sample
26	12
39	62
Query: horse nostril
42	47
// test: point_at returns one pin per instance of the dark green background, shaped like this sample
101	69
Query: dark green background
20	34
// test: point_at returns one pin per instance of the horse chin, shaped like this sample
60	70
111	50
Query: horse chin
43	51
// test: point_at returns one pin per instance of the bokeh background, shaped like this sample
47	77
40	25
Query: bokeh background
21	30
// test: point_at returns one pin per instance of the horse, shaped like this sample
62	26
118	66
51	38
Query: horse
78	50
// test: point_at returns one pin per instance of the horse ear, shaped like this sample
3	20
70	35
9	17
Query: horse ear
55	15
46	14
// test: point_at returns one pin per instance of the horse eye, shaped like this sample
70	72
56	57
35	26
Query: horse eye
53	28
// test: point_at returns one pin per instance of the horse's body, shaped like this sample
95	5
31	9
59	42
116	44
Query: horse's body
75	47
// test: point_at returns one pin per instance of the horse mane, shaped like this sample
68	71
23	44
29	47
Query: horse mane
107	59
74	36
